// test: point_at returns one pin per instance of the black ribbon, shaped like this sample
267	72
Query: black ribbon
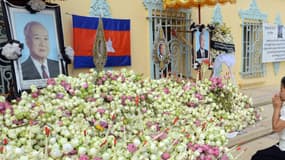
223	46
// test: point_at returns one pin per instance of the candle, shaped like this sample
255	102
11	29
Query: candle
84	137
30	134
5	142
47	132
108	130
46	148
172	144
242	152
3	151
125	140
141	119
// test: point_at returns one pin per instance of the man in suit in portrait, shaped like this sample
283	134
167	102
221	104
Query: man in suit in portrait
161	51
202	53
38	66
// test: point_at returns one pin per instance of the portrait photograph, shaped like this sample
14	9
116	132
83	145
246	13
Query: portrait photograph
161	51
280	31
201	45
41	34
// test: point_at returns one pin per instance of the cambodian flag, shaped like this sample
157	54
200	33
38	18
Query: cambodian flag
117	36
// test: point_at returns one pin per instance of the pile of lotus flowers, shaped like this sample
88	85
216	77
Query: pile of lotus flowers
119	115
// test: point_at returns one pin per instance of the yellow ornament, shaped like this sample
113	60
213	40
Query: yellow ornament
169	3
184	3
211	2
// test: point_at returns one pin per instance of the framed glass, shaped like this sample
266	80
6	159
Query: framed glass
201	45
42	36
161	51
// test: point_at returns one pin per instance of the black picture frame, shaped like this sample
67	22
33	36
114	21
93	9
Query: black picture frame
16	19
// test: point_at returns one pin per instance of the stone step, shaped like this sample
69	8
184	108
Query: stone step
261	96
250	134
258	130
247	150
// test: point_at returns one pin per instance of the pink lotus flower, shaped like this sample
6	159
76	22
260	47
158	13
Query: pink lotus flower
123	97
109	74
67	113
186	87
166	91
2	108
104	78
101	110
123	78
165	156
59	95
109	98
144	110
99	82
84	85
114	78
60	123
130	98
66	85
224	157
199	96
91	99
83	157
51	81
17	122
216	152
35	94
132	148
191	104
216	83
197	123
104	124
148	124
160	136
123	102
142	97
220	85
71	91
73	152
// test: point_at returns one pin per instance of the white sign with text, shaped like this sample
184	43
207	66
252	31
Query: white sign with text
273	43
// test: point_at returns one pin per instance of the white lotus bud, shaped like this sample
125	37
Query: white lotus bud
55	153
67	147
81	150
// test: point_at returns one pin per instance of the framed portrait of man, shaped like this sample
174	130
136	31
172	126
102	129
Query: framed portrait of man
161	51
42	36
280	31
201	45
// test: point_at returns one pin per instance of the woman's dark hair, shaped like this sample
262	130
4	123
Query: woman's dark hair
283	82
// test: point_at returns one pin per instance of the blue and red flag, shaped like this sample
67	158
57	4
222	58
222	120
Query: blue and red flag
117	36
